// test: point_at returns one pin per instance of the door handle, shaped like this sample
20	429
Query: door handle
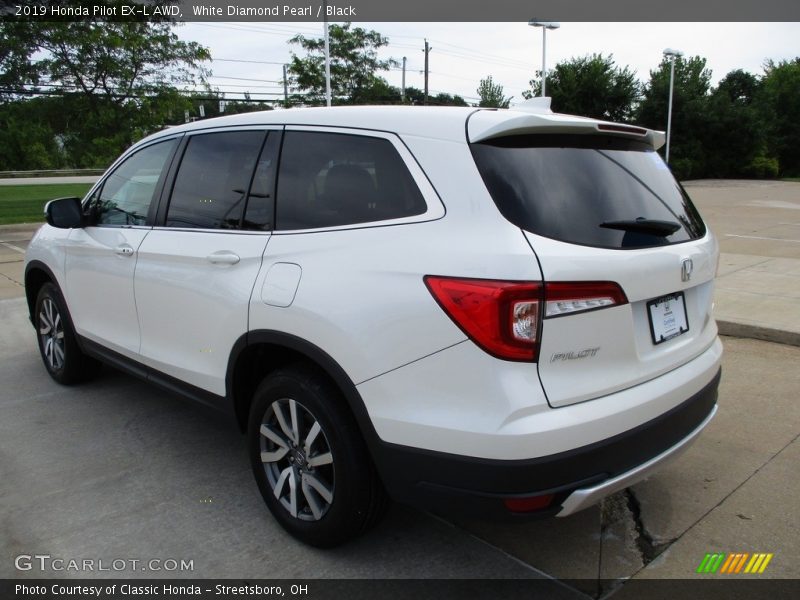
124	250
223	257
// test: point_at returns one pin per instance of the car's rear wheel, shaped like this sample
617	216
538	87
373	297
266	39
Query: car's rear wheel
58	346
309	459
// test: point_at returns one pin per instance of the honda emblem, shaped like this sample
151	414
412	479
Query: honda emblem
686	269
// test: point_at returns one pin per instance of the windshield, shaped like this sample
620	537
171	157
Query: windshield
600	191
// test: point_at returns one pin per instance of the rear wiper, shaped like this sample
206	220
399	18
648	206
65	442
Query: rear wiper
642	225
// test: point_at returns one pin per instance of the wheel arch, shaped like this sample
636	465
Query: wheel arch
259	352
36	275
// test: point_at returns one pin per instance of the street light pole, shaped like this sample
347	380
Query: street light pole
327	57
545	25
672	54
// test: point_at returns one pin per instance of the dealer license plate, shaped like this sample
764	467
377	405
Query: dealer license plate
667	317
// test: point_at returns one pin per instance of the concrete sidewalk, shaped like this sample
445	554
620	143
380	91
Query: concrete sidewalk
759	297
758	227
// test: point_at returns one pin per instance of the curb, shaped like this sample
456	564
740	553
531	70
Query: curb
757	332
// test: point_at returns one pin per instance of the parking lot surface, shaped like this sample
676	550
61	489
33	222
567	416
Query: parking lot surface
118	469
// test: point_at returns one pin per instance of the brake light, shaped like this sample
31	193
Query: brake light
621	128
502	317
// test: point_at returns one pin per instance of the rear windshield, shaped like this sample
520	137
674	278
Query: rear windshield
601	191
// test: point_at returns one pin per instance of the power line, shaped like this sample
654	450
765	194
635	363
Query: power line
238	60
248	87
465	53
245	79
488	61
195	94
236	27
440	74
466	50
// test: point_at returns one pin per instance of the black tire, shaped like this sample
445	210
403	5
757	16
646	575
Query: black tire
58	346
334	501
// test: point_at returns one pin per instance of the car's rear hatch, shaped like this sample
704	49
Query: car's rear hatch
597	204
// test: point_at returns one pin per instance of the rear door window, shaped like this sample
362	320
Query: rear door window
210	190
333	179
600	191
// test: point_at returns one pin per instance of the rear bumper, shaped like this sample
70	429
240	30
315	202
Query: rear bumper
585	497
463	485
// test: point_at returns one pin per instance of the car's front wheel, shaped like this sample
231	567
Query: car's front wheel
58	345
309	459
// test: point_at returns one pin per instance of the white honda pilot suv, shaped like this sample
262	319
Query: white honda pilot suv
498	312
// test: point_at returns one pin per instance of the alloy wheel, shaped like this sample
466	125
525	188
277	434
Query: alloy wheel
51	333
297	460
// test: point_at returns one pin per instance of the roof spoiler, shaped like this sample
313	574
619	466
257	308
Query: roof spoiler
539	104
535	116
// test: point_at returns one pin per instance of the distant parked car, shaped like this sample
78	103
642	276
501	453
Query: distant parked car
499	312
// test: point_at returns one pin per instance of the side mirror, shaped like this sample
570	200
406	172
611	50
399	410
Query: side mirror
64	213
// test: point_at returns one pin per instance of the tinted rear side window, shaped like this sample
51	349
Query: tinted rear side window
331	179
592	190
211	185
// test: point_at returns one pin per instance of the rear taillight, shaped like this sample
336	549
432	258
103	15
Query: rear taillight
504	317
570	297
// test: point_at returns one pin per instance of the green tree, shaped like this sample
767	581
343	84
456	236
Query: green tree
27	139
780	105
740	87
491	94
354	65
445	99
17	44
591	86
114	81
690	106
733	136
416	96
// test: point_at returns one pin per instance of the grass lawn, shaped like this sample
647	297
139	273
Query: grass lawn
25	203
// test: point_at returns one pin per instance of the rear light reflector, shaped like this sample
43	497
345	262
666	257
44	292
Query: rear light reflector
567	298
502	317
530	504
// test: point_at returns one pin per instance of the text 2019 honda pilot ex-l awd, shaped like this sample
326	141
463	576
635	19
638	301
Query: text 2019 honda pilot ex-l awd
500	312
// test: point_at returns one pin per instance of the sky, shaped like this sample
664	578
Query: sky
464	53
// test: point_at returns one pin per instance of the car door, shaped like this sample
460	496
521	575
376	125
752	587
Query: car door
101	257
196	269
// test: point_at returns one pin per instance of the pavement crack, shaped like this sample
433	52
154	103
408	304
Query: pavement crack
649	548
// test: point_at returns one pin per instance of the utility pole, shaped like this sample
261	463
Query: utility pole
403	88
285	88
426	51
